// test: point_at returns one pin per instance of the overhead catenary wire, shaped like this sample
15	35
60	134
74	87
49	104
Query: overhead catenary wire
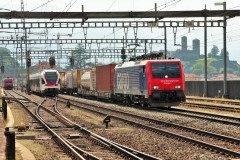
164	5
44	4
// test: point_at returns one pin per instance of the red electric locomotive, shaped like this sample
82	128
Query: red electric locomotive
7	83
155	83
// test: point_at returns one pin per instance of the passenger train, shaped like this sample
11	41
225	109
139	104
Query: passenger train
46	82
152	83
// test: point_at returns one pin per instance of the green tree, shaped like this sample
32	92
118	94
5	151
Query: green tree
214	52
80	58
8	62
198	67
222	54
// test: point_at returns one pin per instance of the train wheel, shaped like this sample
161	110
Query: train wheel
128	102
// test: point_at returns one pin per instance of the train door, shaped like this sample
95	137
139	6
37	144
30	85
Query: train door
143	81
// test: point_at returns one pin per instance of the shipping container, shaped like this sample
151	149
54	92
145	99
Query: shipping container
62	78
77	76
88	79
69	79
105	78
70	84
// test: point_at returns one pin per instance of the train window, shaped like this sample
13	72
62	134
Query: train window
51	77
8	81
43	82
165	70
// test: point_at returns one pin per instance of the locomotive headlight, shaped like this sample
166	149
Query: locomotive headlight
155	87
177	86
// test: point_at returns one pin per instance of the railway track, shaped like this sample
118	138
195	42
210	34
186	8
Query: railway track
203	116
211	141
92	146
214	100
230	120
213	103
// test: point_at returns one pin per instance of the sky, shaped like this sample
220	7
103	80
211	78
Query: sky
215	35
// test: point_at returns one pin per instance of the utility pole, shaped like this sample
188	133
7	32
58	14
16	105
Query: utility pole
28	61
21	63
15	63
205	94
145	47
165	42
59	52
225	90
2	65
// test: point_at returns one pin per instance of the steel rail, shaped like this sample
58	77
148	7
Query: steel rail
201	115
221	101
88	155
55	137
111	143
211	106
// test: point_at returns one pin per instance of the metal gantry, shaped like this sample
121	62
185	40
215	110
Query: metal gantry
90	53
157	15
118	15
83	41
66	51
109	24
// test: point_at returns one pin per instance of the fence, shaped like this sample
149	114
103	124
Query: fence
215	88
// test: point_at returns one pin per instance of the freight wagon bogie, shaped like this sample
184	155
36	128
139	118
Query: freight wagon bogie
130	99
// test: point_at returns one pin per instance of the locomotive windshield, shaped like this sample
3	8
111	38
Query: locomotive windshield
8	81
51	77
165	70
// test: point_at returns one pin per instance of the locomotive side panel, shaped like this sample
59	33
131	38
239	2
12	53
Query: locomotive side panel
130	81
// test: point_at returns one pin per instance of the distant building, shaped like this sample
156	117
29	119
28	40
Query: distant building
184	43
184	53
196	47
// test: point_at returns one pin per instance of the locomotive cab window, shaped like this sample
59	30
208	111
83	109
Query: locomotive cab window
51	77
8	81
165	70
43	82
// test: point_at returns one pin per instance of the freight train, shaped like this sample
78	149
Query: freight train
46	82
7	83
152	83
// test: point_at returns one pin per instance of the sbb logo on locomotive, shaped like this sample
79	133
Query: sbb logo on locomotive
122	81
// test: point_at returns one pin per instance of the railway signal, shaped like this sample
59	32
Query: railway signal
52	62
71	61
123	55
2	69
28	62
